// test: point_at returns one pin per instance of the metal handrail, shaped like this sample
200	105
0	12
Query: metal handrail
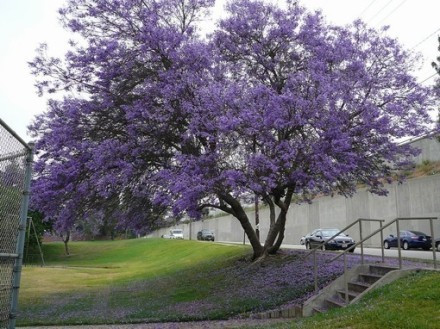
396	220
341	231
362	240
359	220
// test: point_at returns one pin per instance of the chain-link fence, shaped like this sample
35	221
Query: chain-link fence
15	164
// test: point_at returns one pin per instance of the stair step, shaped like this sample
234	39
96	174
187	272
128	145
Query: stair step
317	309
369	277
351	294
372	275
358	286
382	269
335	302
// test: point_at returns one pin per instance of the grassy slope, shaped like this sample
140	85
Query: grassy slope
106	280
162	280
409	303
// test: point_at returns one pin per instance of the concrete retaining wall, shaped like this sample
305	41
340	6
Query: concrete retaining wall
430	149
418	197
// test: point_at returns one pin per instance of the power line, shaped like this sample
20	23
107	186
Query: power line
418	44
428	78
380	10
393	11
425	39
366	8
388	15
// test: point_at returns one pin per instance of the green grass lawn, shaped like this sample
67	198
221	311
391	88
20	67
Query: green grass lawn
118	281
409	303
157	280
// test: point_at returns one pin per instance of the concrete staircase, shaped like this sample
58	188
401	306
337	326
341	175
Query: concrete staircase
360	280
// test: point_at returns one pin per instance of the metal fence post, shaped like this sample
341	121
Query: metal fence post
26	261
381	243
362	243
190	232
398	244
315	270
434	257
21	238
345	279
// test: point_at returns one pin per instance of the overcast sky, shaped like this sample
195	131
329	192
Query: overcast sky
24	24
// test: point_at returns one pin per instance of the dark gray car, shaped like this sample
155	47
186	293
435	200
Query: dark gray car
207	235
340	242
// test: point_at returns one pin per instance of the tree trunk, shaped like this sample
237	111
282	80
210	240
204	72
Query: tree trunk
239	213
272	214
276	231
258	250
277	227
274	249
66	248
66	239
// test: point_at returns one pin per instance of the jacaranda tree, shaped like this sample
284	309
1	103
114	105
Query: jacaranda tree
276	104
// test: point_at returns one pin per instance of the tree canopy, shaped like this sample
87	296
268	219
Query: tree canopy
275	103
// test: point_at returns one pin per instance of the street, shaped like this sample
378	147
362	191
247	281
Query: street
393	252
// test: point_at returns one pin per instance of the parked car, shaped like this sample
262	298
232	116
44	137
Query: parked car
303	239
437	244
207	235
340	242
409	240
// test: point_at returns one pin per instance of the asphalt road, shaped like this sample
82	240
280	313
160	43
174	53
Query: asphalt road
416	254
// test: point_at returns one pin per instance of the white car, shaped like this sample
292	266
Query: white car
176	234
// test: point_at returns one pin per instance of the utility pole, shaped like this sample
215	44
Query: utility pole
190	227
257	215
257	218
